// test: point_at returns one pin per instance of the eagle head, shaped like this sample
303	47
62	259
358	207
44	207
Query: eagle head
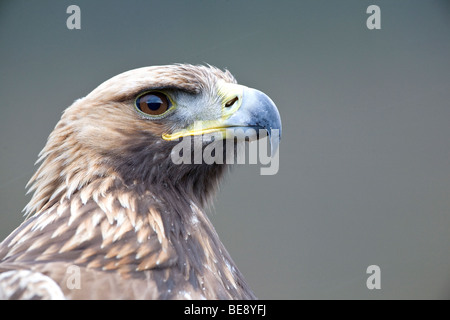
111	202
129	125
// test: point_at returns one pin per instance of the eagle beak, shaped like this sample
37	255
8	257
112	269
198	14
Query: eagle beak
257	112
251	113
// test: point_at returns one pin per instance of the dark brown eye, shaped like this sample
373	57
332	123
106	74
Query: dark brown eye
153	103
231	102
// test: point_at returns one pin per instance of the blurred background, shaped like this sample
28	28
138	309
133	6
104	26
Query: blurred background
364	174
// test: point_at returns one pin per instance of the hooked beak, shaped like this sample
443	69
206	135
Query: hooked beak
253	111
257	112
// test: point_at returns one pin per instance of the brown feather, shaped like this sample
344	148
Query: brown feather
132	222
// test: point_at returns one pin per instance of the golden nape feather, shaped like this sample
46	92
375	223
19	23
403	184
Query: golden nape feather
112	215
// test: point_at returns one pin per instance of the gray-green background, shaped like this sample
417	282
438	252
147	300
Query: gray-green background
365	157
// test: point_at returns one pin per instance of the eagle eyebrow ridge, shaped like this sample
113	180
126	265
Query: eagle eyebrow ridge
132	96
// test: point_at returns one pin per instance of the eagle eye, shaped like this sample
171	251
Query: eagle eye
153	103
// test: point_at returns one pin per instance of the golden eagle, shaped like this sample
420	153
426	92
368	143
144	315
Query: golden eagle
112	216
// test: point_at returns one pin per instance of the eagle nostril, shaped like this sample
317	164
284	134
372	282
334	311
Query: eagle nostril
231	102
